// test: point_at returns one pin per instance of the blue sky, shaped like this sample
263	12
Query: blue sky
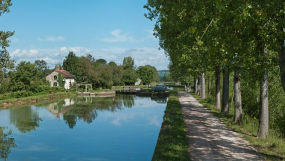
108	29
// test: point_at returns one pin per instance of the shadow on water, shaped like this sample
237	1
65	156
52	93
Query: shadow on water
6	142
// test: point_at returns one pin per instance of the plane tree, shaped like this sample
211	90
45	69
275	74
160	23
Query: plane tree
222	35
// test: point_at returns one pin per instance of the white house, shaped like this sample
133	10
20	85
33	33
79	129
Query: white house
68	78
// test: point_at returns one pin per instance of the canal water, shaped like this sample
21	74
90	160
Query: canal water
117	128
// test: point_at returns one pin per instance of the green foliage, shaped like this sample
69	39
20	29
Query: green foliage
60	81
117	75
90	74
129	76
71	63
17	94
4	6
105	77
172	142
148	74
112	64
101	62
42	68
35	90
98	73
166	77
276	105
6	142
22	78
5	62
250	88
241	36
128	63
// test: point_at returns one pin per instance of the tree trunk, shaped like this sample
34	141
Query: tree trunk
196	86
218	94
263	109
282	62
263	127
199	86
202	90
211	85
237	99
226	90
233	96
208	85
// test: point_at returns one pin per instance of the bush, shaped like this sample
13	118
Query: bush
42	89
56	89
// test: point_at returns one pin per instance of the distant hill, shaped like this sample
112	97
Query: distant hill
161	73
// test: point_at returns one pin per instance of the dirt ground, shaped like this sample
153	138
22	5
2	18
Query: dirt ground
208	138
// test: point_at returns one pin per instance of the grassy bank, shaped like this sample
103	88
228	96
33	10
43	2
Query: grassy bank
273	147
34	99
172	143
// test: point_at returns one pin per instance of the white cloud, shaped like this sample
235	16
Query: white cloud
15	52
18	53
52	60
153	120
118	37
141	56
63	48
51	38
33	52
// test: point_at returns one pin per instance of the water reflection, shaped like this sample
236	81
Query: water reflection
25	119
159	99
85	108
6	142
128	127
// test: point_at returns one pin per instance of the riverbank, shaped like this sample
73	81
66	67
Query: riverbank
172	144
272	147
34	99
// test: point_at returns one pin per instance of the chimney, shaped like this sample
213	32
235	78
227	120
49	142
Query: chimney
57	67
62	68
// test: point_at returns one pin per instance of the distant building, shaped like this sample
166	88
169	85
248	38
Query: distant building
138	82
68	78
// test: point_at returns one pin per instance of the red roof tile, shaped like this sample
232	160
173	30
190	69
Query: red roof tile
65	73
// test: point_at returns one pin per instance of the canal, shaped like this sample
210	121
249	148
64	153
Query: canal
116	128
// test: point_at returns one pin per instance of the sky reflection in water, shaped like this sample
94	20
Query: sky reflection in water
123	127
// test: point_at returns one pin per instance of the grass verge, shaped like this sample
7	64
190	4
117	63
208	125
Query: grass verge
273	147
34	99
172	144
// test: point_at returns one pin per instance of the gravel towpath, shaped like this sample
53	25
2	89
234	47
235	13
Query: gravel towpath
209	139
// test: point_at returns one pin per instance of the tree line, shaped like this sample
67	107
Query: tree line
243	40
101	74
26	78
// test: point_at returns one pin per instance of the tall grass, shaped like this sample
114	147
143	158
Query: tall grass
172	144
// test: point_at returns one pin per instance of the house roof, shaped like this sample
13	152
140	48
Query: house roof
65	73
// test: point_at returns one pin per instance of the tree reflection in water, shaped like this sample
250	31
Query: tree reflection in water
6	142
25	119
85	108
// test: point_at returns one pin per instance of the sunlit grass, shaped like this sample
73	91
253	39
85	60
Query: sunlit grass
273	147
172	144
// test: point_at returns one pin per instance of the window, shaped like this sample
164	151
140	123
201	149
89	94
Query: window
55	77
